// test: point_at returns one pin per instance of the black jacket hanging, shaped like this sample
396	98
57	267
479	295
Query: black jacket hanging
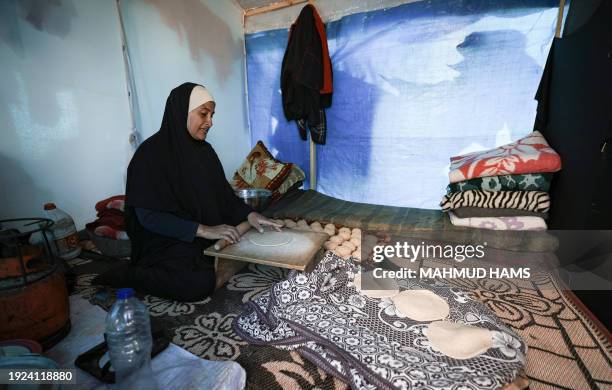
306	75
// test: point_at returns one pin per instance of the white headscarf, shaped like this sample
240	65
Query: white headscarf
199	95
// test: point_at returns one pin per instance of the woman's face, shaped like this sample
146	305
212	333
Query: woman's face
199	120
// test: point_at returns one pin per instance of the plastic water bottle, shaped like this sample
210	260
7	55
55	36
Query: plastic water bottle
128	335
65	237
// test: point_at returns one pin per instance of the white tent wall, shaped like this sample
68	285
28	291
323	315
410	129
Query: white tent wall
64	110
64	113
201	41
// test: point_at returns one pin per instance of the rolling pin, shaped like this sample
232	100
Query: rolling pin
242	228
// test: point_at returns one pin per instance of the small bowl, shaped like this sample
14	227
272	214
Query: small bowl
257	198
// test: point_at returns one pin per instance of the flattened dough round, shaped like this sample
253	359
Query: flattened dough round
388	288
421	305
271	238
459	341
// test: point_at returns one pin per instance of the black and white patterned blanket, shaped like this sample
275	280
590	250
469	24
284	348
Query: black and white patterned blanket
366	341
536	201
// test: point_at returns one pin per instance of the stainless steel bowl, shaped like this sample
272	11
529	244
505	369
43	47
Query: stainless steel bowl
257	198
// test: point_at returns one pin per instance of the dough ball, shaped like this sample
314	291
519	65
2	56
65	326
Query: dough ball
279	221
343	252
290	223
302	225
345	233
349	245
316	225
331	228
337	239
330	245
356	241
356	232
356	255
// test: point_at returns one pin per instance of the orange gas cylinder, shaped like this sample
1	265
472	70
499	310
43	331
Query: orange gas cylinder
33	294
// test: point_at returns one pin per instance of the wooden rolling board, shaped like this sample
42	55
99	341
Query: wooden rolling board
297	254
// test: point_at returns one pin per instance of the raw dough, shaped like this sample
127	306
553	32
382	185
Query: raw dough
356	242
302	225
271	238
356	232
316	225
330	228
343	252
345	233
349	245
459	341
356	255
387	288
421	305
330	245
279	221
290	223
337	239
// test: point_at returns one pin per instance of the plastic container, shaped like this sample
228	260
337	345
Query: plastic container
65	237
128	335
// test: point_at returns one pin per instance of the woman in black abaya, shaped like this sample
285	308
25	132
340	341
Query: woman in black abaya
178	203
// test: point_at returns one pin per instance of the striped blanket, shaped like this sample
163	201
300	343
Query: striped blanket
521	200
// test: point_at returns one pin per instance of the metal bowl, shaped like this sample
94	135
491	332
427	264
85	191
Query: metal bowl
257	198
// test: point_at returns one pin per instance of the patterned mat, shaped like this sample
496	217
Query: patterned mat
567	349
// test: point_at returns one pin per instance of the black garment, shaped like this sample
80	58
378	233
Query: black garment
302	78
575	115
167	224
173	173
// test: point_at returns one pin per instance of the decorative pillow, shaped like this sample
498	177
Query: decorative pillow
261	170
294	180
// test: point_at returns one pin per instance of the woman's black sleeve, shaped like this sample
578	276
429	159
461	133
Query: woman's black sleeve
167	224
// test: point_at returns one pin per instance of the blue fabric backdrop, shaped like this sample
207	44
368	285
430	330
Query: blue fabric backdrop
413	85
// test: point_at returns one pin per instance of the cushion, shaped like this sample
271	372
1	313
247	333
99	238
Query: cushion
261	170
294	180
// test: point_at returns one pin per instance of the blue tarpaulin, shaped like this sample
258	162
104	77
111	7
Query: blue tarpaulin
413	86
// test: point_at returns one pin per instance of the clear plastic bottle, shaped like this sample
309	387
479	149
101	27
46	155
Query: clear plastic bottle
65	236
128	335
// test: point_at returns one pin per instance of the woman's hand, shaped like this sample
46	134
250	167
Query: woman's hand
256	220
225	232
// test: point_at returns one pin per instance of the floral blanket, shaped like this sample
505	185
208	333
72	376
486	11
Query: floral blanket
366	341
530	154
525	182
500	223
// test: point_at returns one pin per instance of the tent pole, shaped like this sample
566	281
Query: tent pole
560	19
313	165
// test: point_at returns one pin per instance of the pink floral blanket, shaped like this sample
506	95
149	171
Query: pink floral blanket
530	154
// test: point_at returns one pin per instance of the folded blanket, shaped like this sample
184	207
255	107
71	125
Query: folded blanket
367	341
470	212
499	223
521	200
526	182
530	154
